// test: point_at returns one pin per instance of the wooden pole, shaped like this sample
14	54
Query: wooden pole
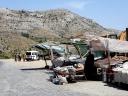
108	53
51	57
51	52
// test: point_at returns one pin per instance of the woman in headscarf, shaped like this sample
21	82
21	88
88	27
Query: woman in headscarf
89	68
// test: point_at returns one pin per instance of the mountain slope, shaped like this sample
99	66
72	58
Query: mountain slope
11	42
39	25
59	22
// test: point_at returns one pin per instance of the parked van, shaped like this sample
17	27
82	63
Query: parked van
32	55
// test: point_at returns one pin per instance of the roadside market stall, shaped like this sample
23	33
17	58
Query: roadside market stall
72	61
120	69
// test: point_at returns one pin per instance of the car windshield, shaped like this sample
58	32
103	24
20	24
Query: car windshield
28	53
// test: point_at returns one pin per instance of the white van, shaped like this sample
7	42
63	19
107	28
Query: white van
32	55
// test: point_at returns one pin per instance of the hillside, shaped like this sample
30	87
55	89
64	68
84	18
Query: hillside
11	42
15	25
59	21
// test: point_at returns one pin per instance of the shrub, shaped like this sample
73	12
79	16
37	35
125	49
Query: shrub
4	55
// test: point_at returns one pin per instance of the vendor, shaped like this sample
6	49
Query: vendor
89	68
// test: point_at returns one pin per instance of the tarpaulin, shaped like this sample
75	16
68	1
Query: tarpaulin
113	45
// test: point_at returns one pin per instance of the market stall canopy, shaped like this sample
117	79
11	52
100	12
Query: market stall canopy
97	45
118	46
113	45
47	46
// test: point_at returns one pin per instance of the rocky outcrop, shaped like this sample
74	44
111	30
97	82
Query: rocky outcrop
59	21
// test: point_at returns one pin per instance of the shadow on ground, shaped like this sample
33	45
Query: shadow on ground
27	69
118	86
43	68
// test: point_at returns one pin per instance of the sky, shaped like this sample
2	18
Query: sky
108	13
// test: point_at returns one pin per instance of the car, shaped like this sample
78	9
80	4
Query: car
32	55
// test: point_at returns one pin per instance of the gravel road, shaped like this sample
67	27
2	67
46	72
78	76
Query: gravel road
16	82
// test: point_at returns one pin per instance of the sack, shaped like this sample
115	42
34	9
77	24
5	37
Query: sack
56	81
62	79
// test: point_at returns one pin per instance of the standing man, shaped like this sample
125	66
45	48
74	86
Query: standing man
15	56
23	56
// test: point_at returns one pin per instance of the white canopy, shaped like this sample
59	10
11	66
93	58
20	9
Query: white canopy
113	45
118	46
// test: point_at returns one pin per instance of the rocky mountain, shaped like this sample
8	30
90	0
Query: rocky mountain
59	22
50	24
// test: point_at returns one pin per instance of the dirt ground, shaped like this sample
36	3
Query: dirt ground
28	64
15	82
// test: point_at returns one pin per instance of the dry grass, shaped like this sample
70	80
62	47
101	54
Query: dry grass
10	42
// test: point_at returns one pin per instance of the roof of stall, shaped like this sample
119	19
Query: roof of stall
47	46
113	45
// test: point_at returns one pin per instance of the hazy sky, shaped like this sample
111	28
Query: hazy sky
108	13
